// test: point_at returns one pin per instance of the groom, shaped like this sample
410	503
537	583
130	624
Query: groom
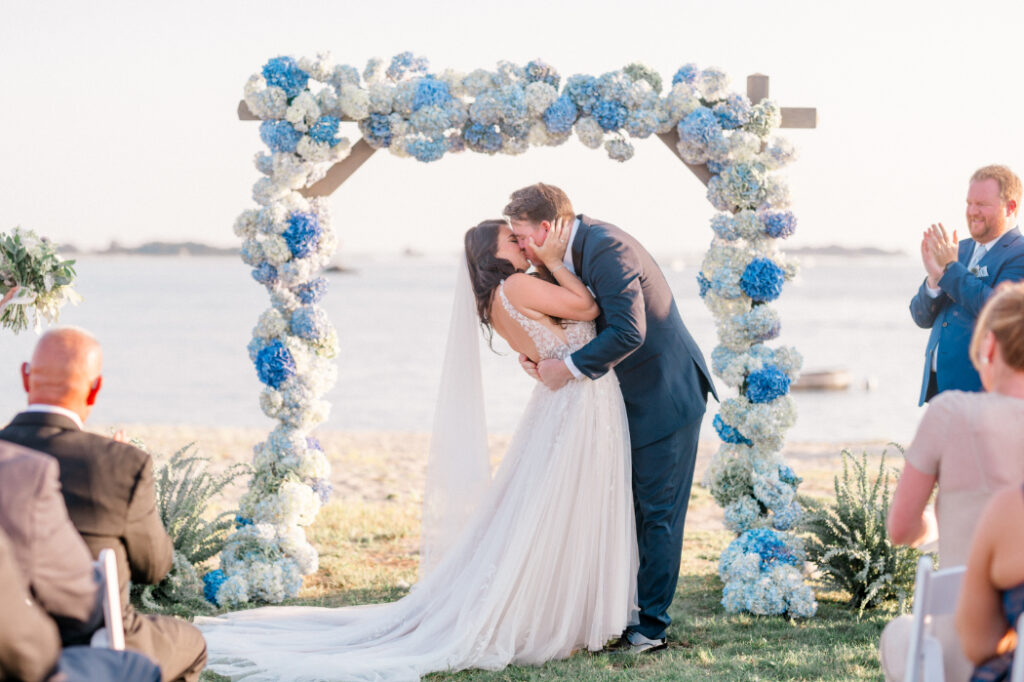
661	372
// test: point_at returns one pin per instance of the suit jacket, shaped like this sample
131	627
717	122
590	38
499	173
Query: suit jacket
29	642
109	491
52	559
640	334
952	314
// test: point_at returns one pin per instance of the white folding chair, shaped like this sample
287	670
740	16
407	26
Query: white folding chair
1017	671
935	594
111	635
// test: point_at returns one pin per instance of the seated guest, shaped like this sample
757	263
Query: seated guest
971	444
45	565
992	597
108	488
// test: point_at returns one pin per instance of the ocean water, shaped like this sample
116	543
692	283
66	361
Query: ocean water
174	333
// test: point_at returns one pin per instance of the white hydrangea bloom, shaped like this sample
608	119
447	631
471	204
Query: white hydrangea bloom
355	102
589	131
303	111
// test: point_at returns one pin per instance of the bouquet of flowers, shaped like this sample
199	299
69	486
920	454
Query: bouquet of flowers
32	264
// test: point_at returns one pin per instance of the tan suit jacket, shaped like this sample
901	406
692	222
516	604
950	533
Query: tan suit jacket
54	563
29	641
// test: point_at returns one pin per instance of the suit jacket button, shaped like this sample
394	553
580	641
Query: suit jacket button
945	324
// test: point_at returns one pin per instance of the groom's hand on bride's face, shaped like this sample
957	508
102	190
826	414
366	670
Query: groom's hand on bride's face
553	373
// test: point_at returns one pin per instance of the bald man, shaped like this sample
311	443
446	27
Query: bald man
108	489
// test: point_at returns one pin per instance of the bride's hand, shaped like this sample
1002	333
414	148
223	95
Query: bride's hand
552	251
8	296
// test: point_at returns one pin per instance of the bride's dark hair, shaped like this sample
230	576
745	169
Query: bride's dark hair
486	270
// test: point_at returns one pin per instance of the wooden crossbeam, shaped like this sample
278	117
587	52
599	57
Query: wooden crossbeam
757	90
340	172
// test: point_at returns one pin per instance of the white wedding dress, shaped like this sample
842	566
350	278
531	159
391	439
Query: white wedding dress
545	565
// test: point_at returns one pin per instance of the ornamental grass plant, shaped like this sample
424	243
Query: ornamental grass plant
184	490
849	542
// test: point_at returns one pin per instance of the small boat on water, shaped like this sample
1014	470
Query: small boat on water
823	380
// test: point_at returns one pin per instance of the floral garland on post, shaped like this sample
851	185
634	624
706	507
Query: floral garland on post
404	107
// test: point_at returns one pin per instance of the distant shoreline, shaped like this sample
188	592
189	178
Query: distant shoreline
199	249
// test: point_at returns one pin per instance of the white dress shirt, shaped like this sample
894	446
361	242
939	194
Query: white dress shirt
567	261
56	409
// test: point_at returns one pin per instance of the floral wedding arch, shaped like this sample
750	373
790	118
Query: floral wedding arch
724	137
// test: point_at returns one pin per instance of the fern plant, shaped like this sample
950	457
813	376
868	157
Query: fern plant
184	488
849	541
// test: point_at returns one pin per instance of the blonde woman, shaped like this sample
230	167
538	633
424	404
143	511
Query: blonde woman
971	445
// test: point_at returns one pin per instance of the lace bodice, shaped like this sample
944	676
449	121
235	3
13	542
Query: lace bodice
577	334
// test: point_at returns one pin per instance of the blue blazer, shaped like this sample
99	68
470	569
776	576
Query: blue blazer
951	315
661	370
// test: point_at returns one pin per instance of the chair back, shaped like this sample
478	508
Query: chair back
935	594
111	635
1017	671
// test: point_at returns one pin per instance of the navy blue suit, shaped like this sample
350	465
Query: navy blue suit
664	382
952	314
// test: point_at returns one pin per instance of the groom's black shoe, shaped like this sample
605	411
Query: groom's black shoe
632	642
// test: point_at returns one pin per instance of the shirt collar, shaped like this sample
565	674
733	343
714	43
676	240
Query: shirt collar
56	409
567	258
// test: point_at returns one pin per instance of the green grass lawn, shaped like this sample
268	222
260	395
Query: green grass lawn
368	554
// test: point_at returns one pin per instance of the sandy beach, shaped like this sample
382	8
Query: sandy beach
387	468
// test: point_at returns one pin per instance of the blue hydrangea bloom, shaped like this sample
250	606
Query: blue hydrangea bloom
303	234
721	356
560	116
779	224
211	585
241	521
540	71
767	384
265	274
787	517
326	130
642	123
428	149
699	127
284	73
686	74
513	103
309	323
704	283
583	91
725	227
280	136
430	92
762	280
715	167
406	64
769	545
312	291
482	138
516	129
323	488
729	434
610	115
788	476
733	112
376	128
275	365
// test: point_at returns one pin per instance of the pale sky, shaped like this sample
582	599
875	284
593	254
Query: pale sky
118	118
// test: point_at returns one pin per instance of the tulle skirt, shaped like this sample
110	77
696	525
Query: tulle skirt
546	565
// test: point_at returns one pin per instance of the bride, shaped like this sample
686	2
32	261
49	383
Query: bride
525	568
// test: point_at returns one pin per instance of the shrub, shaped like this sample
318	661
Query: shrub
849	541
184	488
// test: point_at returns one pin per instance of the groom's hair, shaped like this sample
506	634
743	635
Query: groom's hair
537	203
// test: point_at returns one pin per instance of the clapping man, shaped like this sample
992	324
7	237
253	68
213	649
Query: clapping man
962	275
